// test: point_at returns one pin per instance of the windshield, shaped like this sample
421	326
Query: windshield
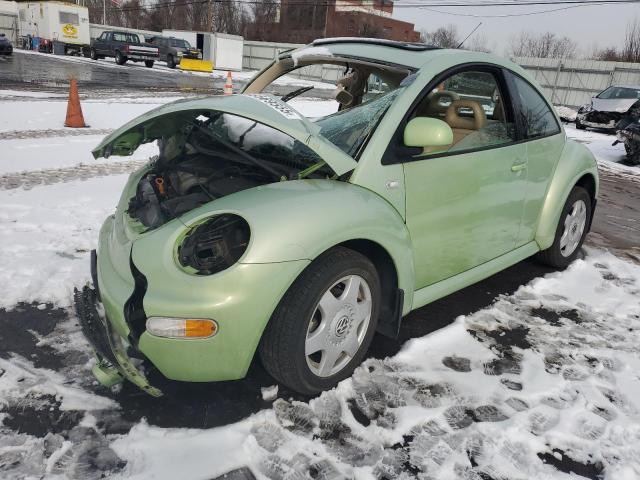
178	42
349	129
613	93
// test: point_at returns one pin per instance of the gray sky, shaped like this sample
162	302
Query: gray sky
602	25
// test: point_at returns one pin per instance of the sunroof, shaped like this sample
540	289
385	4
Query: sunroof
419	47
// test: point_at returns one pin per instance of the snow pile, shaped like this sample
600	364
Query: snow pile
567	114
542	383
46	236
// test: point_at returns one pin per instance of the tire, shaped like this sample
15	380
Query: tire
559	255
300	314
94	54
633	152
579	125
171	62
120	59
149	63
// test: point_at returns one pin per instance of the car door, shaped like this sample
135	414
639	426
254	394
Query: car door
545	142
101	42
464	201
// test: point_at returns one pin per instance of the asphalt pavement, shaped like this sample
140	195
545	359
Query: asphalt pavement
49	71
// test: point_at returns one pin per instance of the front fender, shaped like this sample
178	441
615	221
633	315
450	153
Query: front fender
298	220
575	162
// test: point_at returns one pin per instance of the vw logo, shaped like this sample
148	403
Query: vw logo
342	326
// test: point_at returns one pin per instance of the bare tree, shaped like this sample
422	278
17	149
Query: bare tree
263	13
545	45
444	37
477	43
631	47
608	54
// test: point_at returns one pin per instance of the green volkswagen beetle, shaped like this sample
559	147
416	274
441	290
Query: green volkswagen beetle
258	230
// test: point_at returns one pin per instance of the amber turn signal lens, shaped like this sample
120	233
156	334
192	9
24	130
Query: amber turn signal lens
169	327
199	328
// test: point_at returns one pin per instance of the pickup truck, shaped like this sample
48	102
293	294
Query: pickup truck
123	46
174	49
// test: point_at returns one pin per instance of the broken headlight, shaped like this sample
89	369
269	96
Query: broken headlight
215	245
585	108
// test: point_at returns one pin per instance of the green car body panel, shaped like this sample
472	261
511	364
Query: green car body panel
444	222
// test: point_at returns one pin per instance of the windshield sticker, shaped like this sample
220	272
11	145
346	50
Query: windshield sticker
276	104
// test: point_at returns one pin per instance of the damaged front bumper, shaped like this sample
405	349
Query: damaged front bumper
598	119
113	364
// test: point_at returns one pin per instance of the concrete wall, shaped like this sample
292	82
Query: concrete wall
9	20
574	82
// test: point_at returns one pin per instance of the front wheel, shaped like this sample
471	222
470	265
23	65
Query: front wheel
94	54
570	232
148	63
322	328
579	125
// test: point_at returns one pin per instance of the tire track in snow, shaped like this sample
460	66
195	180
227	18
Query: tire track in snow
28	180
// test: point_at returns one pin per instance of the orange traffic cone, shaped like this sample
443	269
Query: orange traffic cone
74	110
228	86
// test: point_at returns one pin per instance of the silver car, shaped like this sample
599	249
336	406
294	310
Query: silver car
608	107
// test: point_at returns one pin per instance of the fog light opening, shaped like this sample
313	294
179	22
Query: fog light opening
169	327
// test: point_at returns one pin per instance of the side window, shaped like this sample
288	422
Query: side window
119	37
537	118
471	103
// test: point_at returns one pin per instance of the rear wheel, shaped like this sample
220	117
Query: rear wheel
322	328
120	59
579	125
149	63
571	230
171	63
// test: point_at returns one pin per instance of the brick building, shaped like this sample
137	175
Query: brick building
301	21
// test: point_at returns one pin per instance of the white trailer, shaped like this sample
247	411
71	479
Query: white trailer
224	50
60	25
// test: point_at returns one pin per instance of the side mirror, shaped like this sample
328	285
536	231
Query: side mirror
427	132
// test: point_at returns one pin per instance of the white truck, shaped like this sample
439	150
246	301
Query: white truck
55	27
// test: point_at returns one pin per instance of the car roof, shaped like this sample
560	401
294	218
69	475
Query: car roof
635	87
409	54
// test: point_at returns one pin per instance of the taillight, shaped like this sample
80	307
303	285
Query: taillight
125	49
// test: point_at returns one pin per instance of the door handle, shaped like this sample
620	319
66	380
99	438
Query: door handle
516	167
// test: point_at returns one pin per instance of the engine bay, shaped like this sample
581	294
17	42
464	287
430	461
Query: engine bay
213	156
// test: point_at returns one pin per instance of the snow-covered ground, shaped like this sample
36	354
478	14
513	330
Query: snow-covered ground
37	113
542	382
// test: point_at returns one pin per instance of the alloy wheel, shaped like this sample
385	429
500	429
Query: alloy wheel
338	326
574	225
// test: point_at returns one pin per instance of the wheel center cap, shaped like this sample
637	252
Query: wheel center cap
342	326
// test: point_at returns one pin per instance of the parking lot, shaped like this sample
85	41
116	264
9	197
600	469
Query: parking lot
551	355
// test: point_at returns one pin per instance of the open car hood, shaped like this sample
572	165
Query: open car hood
619	105
263	108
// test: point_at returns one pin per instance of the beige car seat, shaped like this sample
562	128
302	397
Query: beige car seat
436	104
463	126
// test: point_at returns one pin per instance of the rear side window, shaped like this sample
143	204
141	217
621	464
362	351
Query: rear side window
534	113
